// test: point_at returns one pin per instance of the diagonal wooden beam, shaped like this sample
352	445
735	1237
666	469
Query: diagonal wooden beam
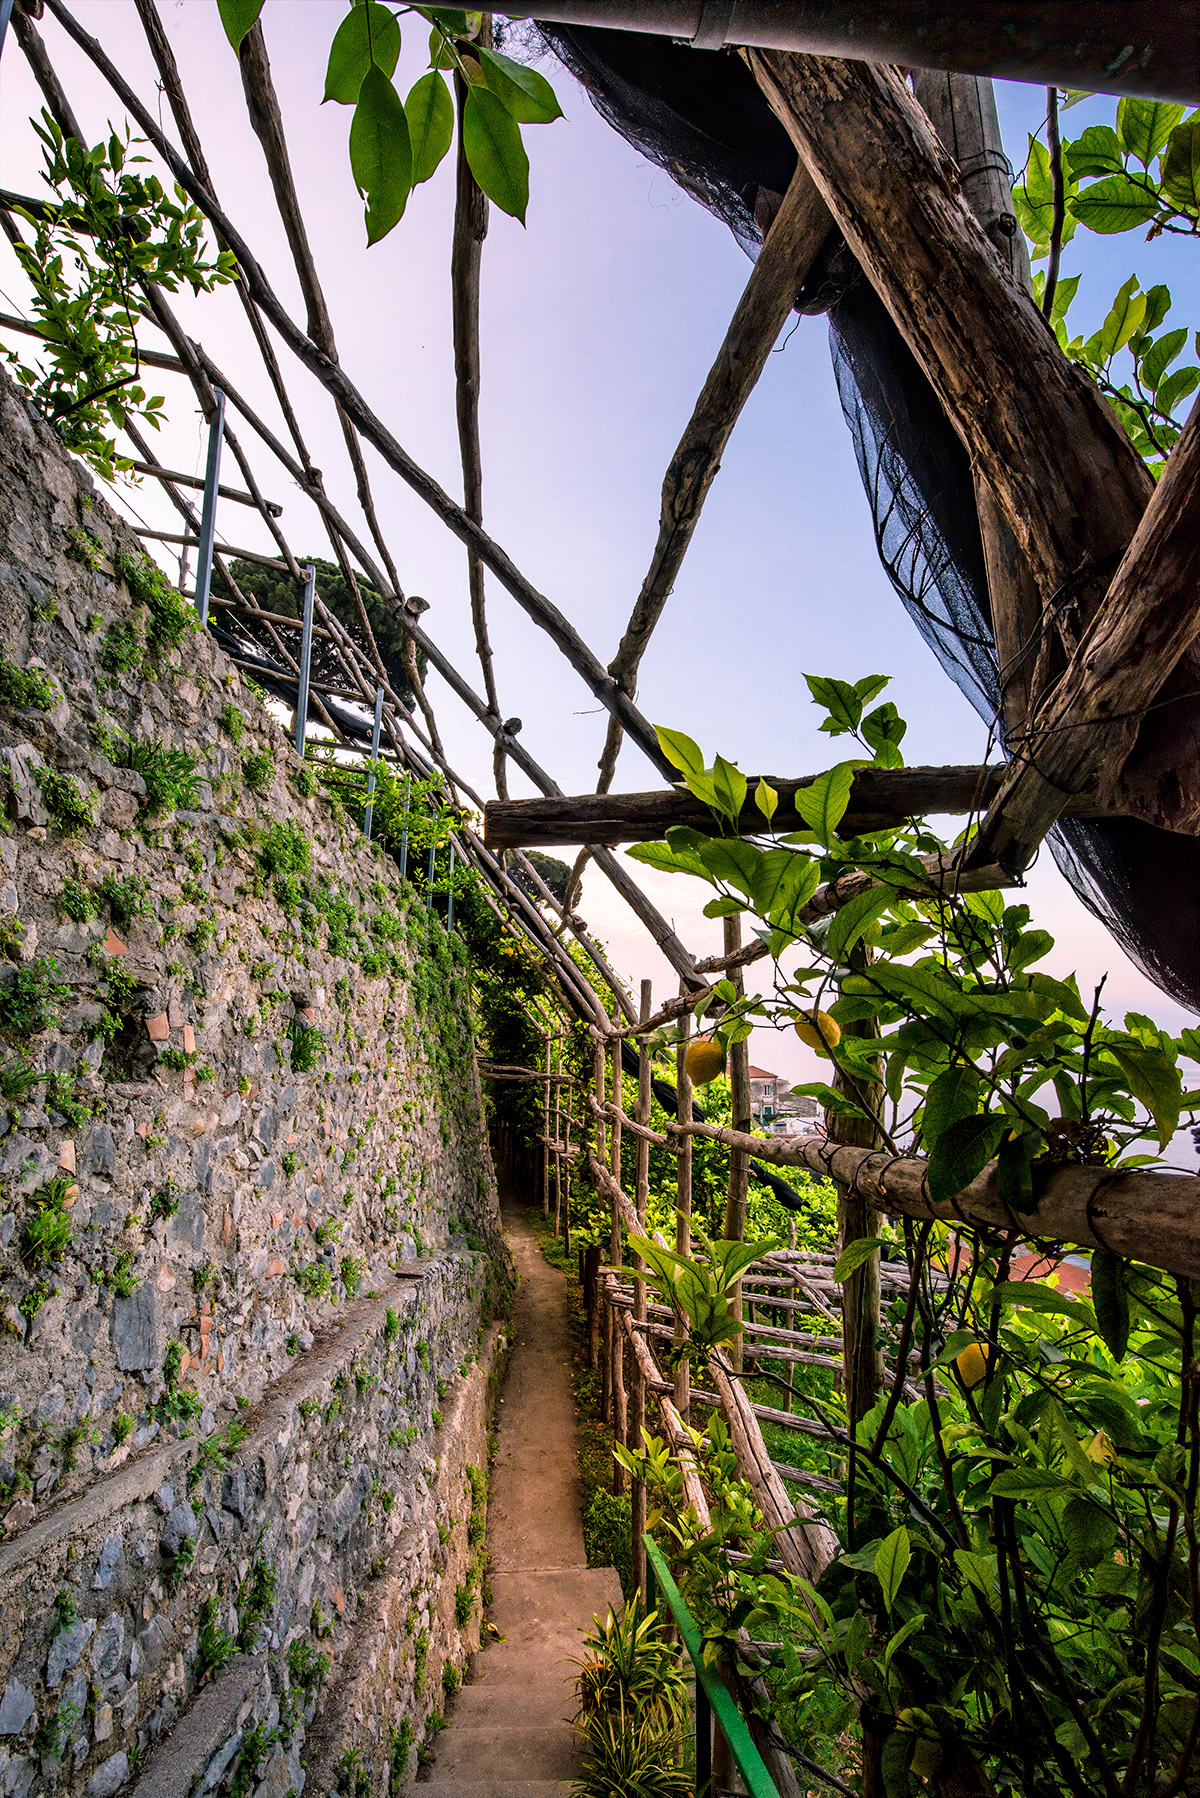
1149	620
799	229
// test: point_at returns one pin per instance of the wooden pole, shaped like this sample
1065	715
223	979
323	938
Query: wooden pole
683	1201
616	1257
557	1133
739	1160
880	798
546	1090
641	1197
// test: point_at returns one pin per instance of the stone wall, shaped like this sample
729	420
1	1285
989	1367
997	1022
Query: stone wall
248	1222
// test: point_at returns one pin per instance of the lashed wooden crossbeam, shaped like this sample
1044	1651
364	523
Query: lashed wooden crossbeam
1149	1216
880	799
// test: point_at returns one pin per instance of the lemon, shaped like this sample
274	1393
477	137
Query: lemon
704	1060
819	1030
972	1364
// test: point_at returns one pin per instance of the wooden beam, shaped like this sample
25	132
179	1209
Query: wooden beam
791	245
1040	435
1145	627
1144	1215
881	799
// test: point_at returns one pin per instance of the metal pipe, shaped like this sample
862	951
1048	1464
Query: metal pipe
404	833
429	876
306	643
450	890
6	7
375	729
1150	48
208	517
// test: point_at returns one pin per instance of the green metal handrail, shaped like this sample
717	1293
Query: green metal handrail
712	1694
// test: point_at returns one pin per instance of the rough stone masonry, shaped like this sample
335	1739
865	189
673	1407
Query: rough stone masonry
249	1246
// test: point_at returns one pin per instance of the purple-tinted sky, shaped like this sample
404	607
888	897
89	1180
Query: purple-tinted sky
600	321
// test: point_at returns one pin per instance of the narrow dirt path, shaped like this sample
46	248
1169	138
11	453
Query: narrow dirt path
509	1736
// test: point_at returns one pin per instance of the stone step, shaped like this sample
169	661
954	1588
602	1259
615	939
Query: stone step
512	1751
545	1702
498	1788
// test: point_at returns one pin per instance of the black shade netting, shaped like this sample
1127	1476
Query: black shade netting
702	118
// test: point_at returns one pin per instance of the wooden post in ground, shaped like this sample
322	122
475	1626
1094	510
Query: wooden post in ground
739	1160
566	1197
557	1132
594	1253
683	1199
637	1409
546	1135
616	1257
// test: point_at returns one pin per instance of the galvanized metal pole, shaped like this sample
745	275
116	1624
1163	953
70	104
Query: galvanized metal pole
450	890
208	515
404	835
306	640
429	876
6	7
375	729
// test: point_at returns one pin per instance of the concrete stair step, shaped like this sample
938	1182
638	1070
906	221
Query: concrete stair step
497	1788
543	1703
506	1751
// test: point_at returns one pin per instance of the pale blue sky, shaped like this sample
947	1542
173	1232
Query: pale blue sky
600	321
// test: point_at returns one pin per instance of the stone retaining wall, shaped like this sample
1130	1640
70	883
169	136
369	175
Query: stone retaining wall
244	1184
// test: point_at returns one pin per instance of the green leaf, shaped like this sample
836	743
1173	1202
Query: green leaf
238	17
830	1098
783	883
1110	1297
891	1563
1116	204
884	730
1181	166
723	908
494	151
680	750
1144	126
1027	1482
961	1152
1090	1532
1095	152
733	860
978	1570
902	1635
1128	310
368	34
842	701
1189	1042
380	153
953	1095
1031	1295
430	113
729	785
1014	1169
668	858
1030	946
854	1255
527	95
766	798
1153	1080
1177	387
851	919
1159	357
823	804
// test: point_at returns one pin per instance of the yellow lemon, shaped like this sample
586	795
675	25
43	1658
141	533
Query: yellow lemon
972	1364
1101	1449
819	1030
704	1060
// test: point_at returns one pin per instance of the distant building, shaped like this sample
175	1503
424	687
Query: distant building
764	1093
